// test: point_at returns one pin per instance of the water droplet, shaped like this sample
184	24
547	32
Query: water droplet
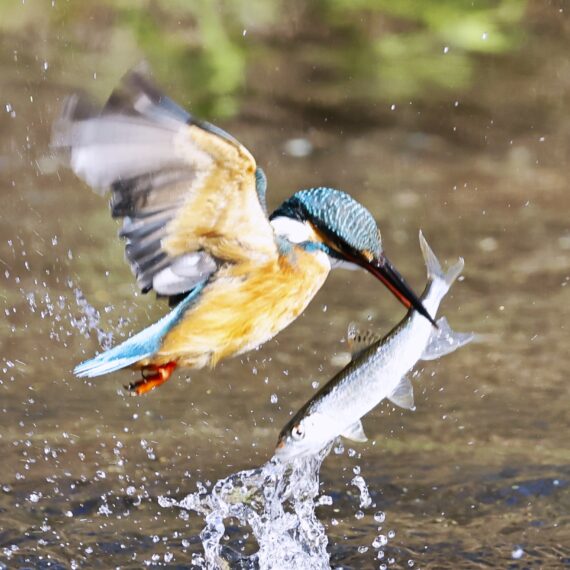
324	500
517	553
379	516
365	499
379	541
339	447
298	148
34	497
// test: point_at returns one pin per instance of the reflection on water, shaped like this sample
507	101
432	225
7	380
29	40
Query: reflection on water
478	476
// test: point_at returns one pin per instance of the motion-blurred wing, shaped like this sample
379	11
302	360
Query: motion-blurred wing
186	190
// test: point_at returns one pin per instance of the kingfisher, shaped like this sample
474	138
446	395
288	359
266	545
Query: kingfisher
198	233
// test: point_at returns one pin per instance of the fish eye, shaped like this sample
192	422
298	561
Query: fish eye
298	432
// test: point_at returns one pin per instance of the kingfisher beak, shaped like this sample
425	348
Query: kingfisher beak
383	270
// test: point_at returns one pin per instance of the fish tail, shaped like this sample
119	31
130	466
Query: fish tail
434	270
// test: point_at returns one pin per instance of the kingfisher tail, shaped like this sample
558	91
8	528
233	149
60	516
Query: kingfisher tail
143	345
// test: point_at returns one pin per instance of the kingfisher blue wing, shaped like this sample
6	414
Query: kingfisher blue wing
190	195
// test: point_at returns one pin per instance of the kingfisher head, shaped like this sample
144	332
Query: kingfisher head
347	232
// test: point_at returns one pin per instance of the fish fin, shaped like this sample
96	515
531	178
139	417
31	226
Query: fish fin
355	432
142	345
403	395
360	340
434	269
445	340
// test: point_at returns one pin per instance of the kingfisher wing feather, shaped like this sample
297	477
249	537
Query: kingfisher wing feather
187	191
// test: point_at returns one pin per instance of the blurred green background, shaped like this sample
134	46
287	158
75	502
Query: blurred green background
358	50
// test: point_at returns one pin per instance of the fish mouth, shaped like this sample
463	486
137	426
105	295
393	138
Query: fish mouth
284	455
281	449
384	271
284	452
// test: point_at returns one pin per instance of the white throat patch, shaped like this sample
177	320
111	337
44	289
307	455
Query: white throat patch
298	232
293	230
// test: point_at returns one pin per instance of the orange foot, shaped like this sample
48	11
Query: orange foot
152	377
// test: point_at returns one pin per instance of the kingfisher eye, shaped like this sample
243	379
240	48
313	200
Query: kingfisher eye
298	432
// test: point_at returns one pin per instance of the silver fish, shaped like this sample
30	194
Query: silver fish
377	371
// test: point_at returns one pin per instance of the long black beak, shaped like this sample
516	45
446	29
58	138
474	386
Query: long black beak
383	270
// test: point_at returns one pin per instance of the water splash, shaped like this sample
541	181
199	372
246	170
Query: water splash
59	311
277	502
359	482
89	321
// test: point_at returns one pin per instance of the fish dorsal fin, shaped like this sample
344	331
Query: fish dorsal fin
403	395
355	432
444	340
359	340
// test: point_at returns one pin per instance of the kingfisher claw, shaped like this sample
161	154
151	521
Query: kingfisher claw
152	377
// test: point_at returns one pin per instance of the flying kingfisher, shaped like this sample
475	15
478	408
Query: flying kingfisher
197	232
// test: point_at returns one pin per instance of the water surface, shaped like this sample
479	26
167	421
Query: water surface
478	476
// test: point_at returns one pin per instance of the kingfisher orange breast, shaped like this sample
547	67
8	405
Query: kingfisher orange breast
244	307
